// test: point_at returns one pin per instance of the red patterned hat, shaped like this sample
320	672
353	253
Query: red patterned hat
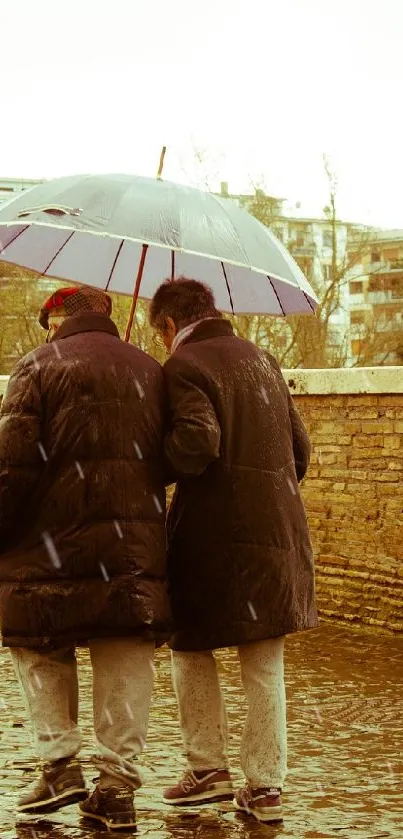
73	301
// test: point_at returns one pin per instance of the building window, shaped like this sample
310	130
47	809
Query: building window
357	316
356	347
375	256
327	238
327	272
391	254
356	287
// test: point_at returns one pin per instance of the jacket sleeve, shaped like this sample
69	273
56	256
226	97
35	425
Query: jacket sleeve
300	440
20	449
193	441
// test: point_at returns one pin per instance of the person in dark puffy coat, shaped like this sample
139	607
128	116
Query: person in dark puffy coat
240	564
83	547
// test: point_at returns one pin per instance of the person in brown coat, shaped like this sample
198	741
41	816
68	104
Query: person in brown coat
83	547
240	562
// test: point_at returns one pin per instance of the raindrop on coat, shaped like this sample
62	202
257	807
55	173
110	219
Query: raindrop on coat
139	389
56	348
129	711
50	547
79	470
138	450
108	716
118	529
157	503
263	391
42	452
104	572
38	681
252	610
36	362
291	485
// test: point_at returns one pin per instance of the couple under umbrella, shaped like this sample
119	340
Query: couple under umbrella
91	431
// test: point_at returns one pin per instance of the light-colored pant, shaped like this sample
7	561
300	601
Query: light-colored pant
203	717
123	675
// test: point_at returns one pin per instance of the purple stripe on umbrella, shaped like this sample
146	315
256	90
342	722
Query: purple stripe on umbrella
36	247
157	265
290	297
7	236
250	292
208	271
86	259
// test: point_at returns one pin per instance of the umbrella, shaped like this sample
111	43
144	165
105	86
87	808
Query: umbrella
126	234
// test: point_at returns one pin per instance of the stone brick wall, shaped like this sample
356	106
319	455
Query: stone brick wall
354	491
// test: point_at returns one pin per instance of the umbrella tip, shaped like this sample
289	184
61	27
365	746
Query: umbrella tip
161	164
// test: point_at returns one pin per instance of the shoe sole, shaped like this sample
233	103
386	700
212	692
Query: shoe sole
225	794
63	799
265	815
104	820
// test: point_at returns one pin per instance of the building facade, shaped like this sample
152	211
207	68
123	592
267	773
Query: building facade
376	301
365	315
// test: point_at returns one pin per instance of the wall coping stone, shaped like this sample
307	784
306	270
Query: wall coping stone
339	381
335	381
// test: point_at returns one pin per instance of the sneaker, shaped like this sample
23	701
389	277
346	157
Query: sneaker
61	783
264	804
201	787
114	807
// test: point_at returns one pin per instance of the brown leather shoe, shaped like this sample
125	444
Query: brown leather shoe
114	807
263	804
200	787
61	783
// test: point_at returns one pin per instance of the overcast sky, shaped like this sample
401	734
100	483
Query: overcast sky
259	88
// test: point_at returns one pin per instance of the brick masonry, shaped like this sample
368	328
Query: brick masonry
354	491
354	499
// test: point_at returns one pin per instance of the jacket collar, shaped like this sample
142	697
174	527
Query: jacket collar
209	328
87	322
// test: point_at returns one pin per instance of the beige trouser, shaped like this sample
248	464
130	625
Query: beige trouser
123	675
203	717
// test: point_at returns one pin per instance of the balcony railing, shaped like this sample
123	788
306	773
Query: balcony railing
390	296
386	267
302	250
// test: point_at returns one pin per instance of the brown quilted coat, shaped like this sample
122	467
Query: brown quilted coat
82	502
240	559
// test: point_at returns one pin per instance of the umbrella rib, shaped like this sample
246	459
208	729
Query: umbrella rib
15	237
57	253
309	302
275	292
228	287
114	263
172	264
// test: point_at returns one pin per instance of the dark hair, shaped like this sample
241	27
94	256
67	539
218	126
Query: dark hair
183	300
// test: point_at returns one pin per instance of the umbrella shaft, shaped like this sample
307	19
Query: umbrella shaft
136	292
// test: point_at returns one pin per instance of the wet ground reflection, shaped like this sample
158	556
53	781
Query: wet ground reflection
345	748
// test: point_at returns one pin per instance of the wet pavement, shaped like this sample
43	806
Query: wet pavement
345	712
